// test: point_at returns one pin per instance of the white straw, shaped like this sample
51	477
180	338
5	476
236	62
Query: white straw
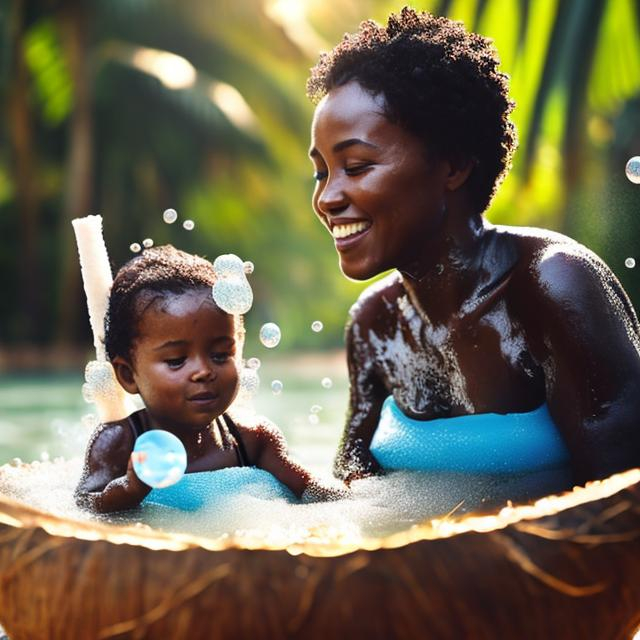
111	400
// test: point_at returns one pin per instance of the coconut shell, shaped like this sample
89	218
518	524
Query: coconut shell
566	567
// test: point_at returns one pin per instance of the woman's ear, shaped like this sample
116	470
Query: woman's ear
459	171
124	374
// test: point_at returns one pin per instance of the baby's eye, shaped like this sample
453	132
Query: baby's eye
175	363
220	357
318	176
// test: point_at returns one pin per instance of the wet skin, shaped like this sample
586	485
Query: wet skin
477	318
184	367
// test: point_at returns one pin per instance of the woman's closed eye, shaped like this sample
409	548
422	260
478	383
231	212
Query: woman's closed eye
357	169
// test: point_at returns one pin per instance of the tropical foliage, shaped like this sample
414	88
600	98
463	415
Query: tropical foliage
128	107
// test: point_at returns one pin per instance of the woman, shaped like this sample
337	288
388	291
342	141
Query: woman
410	139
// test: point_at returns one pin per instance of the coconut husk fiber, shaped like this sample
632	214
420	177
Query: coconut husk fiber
566	567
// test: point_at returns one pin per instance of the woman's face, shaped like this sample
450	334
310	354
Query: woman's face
379	196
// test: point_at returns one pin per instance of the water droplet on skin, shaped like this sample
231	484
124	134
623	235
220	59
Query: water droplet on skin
313	418
276	387
248	267
632	169
147	243
316	408
170	216
189	225
253	363
135	247
327	383
270	335
629	263
317	326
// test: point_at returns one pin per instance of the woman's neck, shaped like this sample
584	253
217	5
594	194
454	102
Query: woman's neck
455	268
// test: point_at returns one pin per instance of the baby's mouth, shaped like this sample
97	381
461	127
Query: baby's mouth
203	397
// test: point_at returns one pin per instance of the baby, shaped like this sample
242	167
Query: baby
169	342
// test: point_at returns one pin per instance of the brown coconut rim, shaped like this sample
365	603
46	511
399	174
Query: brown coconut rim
318	544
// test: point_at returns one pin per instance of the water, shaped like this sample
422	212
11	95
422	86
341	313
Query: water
44	413
378	506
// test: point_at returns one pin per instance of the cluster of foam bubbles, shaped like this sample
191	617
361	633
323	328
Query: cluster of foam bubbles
231	291
377	506
100	382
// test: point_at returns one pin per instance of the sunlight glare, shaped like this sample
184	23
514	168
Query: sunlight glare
291	15
230	101
175	72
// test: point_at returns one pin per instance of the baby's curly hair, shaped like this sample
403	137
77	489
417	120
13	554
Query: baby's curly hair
439	81
156	272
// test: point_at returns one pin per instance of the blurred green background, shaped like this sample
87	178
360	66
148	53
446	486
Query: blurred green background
128	107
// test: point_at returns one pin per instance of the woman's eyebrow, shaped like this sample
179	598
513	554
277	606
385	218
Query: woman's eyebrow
344	144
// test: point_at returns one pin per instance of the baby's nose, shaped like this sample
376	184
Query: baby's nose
202	372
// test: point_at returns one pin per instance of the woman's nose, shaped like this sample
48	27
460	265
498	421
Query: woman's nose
332	199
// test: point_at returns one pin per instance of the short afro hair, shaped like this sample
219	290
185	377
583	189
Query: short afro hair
440	82
156	272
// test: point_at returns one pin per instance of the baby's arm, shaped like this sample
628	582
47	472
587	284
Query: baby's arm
108	482
271	454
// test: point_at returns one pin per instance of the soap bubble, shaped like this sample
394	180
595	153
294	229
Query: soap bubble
228	265
147	243
170	216
327	383
188	225
313	418
159	458
253	363
316	408
629	263
317	326
248	267
270	335
135	247
249	382
231	291
276	387
632	169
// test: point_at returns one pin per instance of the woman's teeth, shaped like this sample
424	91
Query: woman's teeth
344	230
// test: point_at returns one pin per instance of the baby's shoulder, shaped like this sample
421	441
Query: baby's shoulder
258	430
377	300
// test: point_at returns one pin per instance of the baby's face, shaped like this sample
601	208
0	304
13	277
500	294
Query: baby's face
184	360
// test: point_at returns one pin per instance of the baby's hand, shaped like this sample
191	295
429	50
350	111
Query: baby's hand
317	492
134	484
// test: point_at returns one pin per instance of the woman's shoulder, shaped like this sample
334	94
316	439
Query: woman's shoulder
553	269
377	299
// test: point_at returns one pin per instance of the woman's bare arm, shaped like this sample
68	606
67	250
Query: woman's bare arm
590	352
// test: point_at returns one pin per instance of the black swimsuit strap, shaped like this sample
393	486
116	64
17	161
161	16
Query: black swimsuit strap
241	452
